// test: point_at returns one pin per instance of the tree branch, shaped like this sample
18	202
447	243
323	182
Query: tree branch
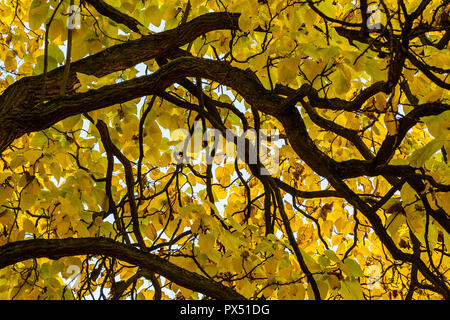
15	252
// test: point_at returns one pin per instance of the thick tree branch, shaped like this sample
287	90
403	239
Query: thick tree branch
119	57
14	252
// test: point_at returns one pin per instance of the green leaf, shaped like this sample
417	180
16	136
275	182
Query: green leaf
323	261
332	255
394	222
37	14
354	268
45	270
420	156
245	23
436	124
38	140
327	8
351	290
51	64
55	52
234	223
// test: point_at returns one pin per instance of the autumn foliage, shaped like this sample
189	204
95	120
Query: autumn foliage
97	108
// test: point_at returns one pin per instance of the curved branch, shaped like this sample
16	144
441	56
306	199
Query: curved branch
14	252
26	91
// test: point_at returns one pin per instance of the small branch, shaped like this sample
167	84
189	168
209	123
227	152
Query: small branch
109	11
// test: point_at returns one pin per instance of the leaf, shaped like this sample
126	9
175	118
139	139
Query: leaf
420	156
206	242
245	23
10	62
56	53
394	222
351	290
6	216
62	228
70	122
234	223
32	155
343	79
288	70
328	8
4	176
6	194
332	256
51	64
27	200
153	14
437	125
324	262
38	140
353	268
434	95
38	13
300	292
57	29
312	68
45	270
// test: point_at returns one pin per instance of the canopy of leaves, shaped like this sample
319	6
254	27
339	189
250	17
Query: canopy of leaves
93	203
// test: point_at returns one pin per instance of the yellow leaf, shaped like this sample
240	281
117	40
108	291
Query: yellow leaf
206	242
271	267
380	101
6	194
288	70
71	122
6	216
63	227
27	200
37	14
312	68
153	14
309	17
150	231
342	80
351	290
245	22
28	226
328	8
32	155
10	62
420	156
434	95
165	159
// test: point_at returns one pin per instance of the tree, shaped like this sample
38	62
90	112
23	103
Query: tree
99	191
